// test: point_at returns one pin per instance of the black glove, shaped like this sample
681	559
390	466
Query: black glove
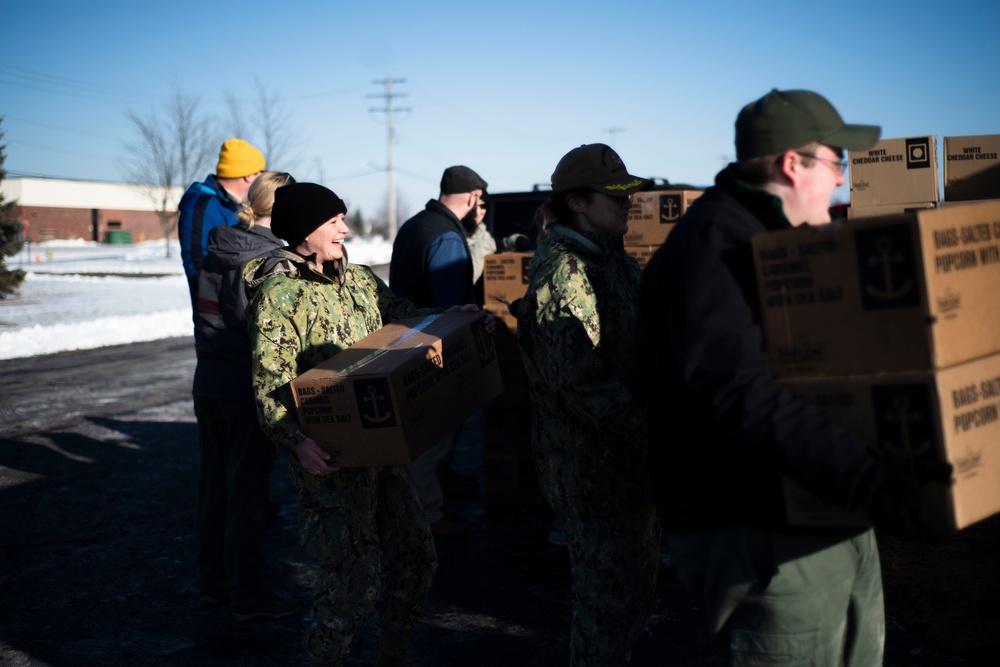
893	490
517	243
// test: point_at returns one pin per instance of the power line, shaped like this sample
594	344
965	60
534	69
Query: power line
14	173
71	130
18	142
612	133
388	110
62	85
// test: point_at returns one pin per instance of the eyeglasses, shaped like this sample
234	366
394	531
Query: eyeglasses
839	165
621	200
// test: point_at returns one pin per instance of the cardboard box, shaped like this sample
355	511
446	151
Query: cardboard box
390	396
972	167
854	212
907	292
895	171
505	279
641	253
949	204
654	214
509	473
951	414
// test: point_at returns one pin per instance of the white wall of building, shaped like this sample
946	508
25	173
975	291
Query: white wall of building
80	194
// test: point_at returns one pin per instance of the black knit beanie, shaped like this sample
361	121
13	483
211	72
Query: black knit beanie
299	208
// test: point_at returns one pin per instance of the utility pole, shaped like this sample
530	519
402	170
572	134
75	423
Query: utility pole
388	110
612	133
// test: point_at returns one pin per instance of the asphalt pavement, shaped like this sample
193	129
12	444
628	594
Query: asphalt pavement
97	550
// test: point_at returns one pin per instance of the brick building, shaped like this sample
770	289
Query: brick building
89	210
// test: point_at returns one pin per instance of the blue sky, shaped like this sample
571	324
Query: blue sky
506	87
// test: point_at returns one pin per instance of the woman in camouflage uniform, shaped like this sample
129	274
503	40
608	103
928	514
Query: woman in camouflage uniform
308	304
576	331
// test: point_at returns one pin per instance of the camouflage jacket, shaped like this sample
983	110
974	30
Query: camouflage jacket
576	332
299	318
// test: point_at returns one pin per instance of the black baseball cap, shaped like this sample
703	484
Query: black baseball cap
598	167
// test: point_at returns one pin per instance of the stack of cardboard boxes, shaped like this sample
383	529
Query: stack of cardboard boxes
901	175
891	325
652	217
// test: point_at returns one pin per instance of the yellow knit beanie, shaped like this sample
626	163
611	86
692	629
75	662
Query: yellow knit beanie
238	158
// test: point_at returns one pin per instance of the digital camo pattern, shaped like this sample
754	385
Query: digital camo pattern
299	318
614	575
576	332
362	511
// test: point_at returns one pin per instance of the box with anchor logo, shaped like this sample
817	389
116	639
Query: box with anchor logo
909	292
505	280
654	214
390	396
950	414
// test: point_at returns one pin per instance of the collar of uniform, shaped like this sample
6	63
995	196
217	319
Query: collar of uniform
767	207
599	245
335	269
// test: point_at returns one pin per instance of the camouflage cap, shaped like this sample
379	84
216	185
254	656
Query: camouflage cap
598	167
787	119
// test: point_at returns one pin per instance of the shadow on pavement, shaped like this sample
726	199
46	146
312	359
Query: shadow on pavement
97	568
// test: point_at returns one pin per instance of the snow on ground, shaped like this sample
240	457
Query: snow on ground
81	294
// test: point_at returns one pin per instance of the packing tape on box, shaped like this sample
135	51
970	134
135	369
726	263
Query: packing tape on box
412	331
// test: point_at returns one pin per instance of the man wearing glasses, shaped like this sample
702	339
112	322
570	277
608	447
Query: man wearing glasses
722	432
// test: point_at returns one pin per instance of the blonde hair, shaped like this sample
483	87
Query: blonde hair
260	197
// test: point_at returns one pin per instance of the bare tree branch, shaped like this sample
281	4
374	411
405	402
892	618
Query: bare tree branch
170	150
238	124
270	127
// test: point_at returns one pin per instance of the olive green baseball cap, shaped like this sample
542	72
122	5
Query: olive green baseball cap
598	167
787	119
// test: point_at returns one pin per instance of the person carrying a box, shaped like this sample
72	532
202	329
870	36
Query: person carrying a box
308	303
723	433
576	334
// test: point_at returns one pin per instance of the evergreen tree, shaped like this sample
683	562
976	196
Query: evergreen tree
356	222
10	234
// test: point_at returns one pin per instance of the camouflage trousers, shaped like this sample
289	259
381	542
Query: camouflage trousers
359	513
614	561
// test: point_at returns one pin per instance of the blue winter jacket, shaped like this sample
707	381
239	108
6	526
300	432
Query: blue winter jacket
203	207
